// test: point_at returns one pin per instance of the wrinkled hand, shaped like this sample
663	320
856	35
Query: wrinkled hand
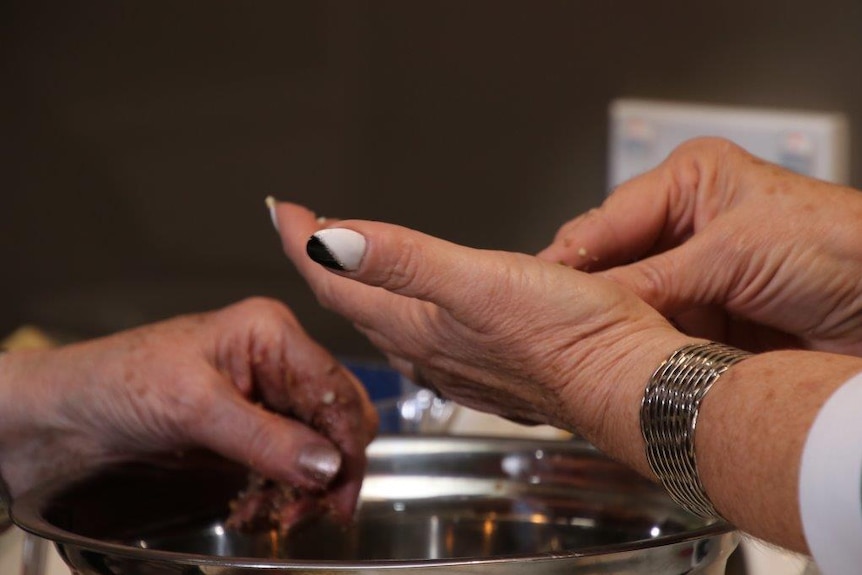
720	240
245	382
501	332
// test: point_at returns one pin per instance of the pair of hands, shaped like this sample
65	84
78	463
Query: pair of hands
732	248
726	246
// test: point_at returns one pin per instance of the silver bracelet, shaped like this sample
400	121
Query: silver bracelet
669	417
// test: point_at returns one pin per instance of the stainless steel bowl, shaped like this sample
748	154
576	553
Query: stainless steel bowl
429	505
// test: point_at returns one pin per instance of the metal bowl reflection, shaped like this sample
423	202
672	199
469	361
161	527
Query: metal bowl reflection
465	505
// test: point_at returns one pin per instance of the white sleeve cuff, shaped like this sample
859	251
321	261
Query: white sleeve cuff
830	482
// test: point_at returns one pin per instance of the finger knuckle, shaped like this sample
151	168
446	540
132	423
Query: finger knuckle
258	305
404	270
705	145
260	444
266	313
651	280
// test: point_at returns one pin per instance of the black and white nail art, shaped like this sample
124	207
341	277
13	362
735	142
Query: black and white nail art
337	248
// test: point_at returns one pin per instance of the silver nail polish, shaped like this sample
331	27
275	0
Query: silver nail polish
320	461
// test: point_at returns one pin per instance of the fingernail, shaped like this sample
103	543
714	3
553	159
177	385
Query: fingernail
337	248
270	203
320	461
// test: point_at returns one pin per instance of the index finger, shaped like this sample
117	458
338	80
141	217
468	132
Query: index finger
647	214
626	226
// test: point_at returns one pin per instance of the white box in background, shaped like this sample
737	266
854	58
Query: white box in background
644	132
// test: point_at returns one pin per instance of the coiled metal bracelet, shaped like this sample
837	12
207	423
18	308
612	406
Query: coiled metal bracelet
669	417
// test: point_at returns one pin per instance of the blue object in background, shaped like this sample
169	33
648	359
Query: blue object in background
385	388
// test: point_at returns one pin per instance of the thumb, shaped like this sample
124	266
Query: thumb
277	447
675	280
407	262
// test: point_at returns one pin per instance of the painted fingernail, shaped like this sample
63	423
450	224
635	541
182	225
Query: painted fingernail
337	248
270	203
321	462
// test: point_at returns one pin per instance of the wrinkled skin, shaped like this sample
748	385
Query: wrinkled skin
245	382
725	245
731	247
506	333
712	244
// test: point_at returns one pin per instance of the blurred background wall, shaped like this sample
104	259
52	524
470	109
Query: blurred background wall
140	138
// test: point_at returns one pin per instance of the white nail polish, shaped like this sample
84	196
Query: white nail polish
337	248
270	203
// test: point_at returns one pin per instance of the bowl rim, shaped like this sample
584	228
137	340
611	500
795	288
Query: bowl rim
26	513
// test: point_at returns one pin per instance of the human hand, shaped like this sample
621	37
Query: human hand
245	382
732	248
501	332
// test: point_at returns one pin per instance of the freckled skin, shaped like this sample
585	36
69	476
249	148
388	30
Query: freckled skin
693	250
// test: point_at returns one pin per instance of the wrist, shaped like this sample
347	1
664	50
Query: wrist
26	408
610	404
669	416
